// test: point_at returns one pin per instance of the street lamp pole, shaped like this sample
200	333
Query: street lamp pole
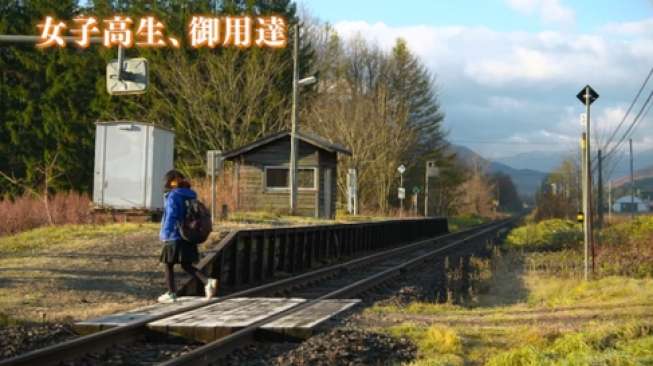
296	83
293	130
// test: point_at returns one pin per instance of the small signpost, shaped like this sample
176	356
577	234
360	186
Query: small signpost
213	168
401	194
416	191
352	198
432	171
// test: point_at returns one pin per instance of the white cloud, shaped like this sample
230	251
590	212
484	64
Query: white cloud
550	11
522	64
634	28
495	58
522	84
609	118
506	103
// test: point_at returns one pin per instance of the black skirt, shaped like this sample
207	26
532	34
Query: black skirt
179	251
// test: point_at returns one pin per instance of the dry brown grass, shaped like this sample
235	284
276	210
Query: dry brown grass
81	278
80	272
28	212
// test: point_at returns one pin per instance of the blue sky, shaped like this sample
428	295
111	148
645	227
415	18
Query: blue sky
496	14
507	70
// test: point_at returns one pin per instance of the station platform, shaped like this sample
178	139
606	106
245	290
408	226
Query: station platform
220	319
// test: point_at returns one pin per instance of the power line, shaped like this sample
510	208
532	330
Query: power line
642	113
621	156
639	92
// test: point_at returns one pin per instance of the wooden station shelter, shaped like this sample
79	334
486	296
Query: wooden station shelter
261	174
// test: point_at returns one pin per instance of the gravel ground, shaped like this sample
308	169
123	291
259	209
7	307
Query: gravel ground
17	339
140	353
340	346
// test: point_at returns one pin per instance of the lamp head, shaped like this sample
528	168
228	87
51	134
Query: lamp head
307	81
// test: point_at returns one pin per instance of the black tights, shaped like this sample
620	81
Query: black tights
188	268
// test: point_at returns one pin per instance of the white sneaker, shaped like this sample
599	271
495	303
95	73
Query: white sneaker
211	288
167	298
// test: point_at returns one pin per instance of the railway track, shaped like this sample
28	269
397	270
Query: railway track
336	281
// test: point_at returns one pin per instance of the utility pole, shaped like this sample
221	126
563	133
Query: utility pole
600	193
293	120
610	201
587	96
583	144
633	208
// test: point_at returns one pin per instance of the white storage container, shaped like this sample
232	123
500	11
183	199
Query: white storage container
131	159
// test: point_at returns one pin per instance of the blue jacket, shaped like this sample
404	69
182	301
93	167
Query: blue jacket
174	210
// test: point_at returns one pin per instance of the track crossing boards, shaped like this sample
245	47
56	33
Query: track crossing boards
135	315
219	319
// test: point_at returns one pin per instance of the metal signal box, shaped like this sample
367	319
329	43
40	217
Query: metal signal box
131	159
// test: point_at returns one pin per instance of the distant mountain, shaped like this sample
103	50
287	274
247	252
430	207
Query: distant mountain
543	161
620	165
638	175
527	181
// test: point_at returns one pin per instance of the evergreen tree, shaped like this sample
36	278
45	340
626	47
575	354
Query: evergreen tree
51	98
506	193
46	98
414	92
413	89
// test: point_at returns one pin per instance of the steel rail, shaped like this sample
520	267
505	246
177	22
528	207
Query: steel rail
213	351
99	341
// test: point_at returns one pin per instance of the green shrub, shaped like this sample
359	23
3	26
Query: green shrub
554	234
627	248
431	341
629	232
628	345
461	222
524	356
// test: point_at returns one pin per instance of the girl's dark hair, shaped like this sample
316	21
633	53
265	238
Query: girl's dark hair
177	177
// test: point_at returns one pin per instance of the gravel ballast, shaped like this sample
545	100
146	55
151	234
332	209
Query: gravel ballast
336	347
17	339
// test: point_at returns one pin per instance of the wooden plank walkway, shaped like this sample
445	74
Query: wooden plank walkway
135	315
217	320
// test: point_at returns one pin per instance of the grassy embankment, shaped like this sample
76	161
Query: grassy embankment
532	308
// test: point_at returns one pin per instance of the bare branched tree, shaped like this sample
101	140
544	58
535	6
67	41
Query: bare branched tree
220	100
49	171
